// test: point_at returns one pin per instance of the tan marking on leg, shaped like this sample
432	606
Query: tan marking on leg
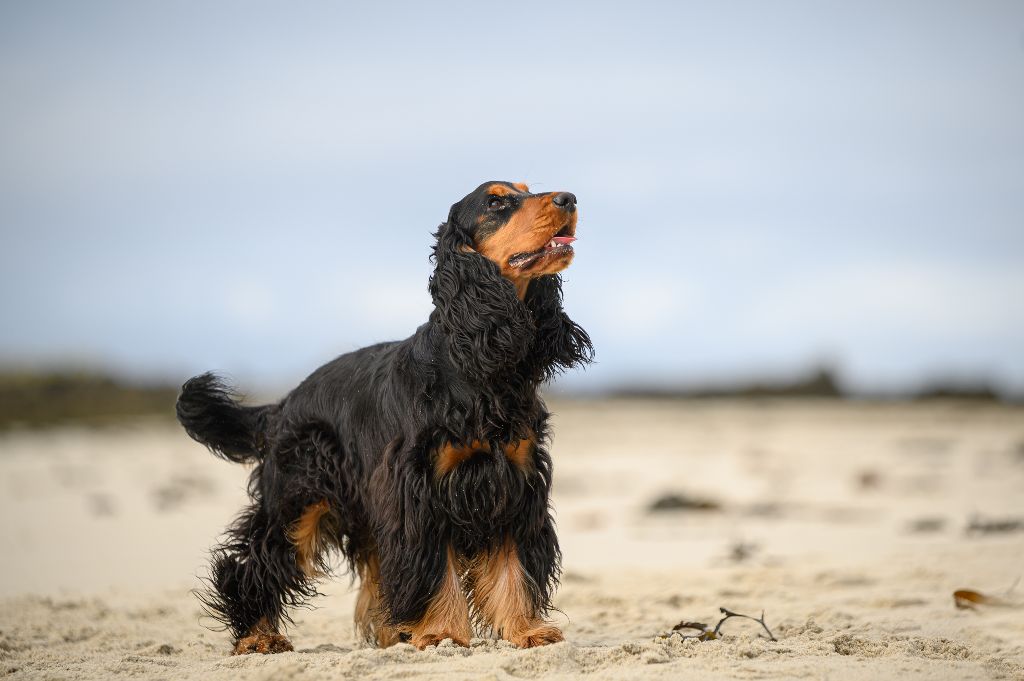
262	639
371	620
308	538
502	601
447	615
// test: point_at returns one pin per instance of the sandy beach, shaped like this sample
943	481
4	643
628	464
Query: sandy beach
849	524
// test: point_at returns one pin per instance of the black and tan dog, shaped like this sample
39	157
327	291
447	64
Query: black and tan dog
423	461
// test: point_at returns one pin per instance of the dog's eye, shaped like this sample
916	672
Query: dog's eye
495	203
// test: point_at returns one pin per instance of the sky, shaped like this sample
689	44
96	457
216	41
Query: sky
763	187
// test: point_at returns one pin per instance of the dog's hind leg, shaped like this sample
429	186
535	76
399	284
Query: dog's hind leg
276	548
261	569
370	615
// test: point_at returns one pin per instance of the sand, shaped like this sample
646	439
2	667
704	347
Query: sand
846	523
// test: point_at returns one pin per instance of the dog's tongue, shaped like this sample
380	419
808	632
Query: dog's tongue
563	240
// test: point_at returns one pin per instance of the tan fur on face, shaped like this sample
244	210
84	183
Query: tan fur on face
501	599
309	539
501	190
530	227
370	618
447	615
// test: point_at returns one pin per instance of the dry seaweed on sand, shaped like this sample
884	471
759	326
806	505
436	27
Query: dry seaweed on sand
707	633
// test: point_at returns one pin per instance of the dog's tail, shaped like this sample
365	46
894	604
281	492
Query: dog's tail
210	412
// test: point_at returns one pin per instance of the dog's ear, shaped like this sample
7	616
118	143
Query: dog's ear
560	343
485	324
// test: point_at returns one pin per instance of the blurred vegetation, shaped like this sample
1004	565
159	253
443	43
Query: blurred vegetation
37	399
821	383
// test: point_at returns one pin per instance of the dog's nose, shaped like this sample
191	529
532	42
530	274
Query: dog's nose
565	201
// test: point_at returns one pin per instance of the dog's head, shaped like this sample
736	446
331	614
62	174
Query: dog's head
496	289
526	235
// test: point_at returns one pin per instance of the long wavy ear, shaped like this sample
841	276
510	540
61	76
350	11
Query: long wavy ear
486	325
560	343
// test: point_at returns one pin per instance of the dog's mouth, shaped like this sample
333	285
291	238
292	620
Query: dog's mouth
557	245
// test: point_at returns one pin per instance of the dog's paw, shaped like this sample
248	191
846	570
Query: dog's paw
423	641
541	635
262	643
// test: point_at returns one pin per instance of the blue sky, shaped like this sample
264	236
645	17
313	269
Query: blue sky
251	187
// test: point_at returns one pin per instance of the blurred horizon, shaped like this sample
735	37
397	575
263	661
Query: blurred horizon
251	188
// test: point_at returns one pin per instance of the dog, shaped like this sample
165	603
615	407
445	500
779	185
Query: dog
423	462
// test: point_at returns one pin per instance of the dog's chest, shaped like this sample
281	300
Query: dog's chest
480	488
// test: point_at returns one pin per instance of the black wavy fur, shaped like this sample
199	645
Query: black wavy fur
210	413
361	433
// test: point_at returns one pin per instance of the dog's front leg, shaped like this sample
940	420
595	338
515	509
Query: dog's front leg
509	599
420	591
447	613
